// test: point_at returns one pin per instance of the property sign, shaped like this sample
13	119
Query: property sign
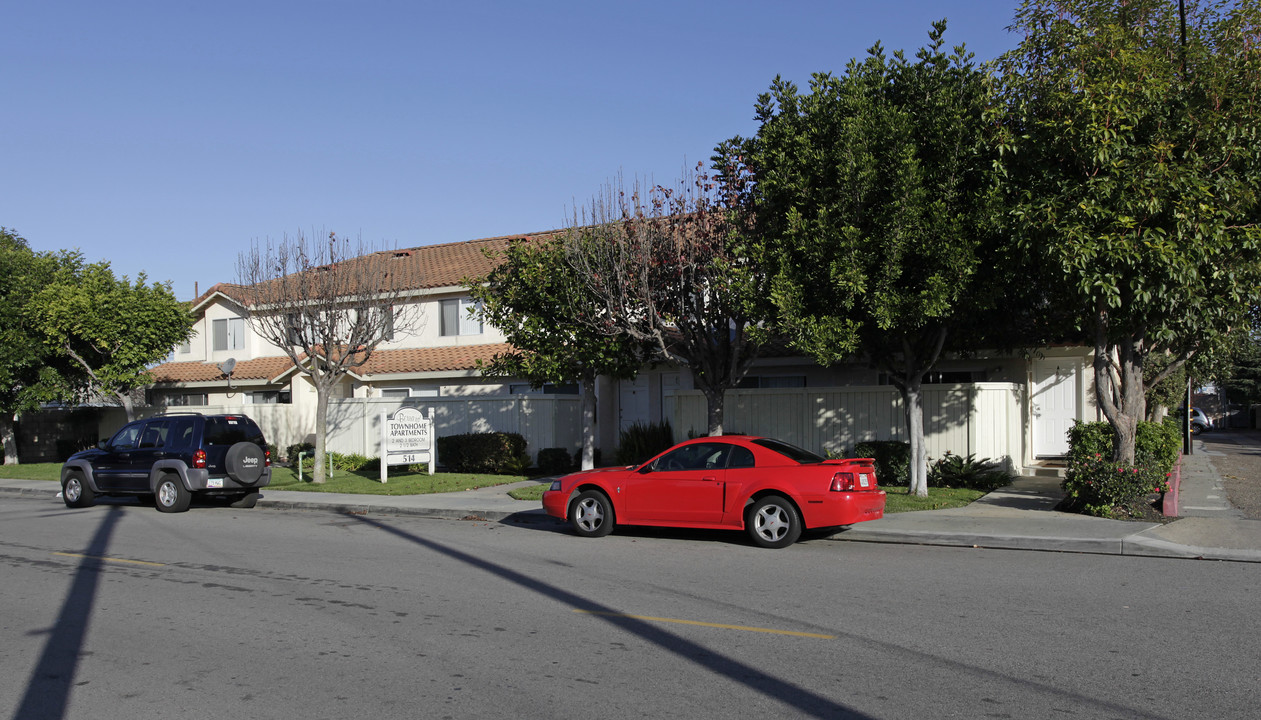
407	438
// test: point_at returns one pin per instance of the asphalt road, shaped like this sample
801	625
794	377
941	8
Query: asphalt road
119	611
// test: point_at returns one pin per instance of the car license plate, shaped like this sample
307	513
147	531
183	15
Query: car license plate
214	483
863	481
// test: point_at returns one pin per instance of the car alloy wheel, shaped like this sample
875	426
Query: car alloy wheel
774	522
75	493
592	514
172	496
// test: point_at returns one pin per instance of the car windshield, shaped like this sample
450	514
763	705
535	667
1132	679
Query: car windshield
792	452
230	430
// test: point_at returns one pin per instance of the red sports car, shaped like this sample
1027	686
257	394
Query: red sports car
770	488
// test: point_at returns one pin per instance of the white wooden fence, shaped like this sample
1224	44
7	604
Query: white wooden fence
544	421
984	419
979	418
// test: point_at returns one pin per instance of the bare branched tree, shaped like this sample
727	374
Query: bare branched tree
327	304
671	268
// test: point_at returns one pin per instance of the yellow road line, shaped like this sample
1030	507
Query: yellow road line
709	624
110	559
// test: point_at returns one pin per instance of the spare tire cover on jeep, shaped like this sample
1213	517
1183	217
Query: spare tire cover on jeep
245	462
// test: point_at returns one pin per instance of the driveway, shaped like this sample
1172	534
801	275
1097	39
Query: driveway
1236	455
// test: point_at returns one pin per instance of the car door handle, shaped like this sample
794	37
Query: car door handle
709	479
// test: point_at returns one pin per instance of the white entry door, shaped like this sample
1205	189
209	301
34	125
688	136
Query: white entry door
1056	404
633	402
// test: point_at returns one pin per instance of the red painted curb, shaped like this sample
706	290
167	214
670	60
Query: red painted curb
1169	503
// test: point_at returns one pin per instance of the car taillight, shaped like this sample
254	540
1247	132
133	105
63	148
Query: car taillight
267	458
843	482
853	481
199	459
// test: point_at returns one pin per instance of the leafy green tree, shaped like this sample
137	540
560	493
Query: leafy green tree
1241	376
670	267
30	371
877	209
1131	152
111	329
541	305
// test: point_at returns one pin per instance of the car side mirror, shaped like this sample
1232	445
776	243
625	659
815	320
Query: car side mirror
645	468
102	444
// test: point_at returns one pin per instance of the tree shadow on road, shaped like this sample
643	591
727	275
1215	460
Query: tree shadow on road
802	699
48	690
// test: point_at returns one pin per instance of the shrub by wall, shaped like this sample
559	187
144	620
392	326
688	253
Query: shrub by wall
554	461
640	442
494	453
1095	485
892	459
292	452
957	471
347	463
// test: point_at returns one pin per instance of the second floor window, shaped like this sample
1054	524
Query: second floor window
229	333
459	317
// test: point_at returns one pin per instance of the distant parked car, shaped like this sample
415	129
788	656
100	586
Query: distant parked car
172	457
769	488
1199	421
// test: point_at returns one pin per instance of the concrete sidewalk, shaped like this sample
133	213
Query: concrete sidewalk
1022	517
1018	517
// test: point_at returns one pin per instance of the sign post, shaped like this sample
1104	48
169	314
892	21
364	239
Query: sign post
407	438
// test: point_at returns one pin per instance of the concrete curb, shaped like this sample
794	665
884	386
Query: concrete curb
368	508
1134	545
1043	543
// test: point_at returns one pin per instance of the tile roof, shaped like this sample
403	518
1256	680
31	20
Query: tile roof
417	268
264	368
412	360
382	362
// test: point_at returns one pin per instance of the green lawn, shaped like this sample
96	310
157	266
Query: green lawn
896	499
283	478
32	471
533	492
399	482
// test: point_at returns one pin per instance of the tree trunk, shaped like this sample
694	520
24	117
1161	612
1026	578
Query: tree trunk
124	399
588	423
7	437
319	472
713	402
1135	401
1119	390
913	402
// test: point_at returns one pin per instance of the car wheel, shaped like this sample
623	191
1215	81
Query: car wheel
1196	428
773	522
591	514
75	491
245	500
171	495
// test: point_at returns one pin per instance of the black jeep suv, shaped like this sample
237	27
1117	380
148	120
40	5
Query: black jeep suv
171	457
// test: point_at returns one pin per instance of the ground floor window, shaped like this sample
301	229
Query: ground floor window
772	381
185	400
547	389
400	393
271	397
945	377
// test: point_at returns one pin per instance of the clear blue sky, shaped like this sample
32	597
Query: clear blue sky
165	136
